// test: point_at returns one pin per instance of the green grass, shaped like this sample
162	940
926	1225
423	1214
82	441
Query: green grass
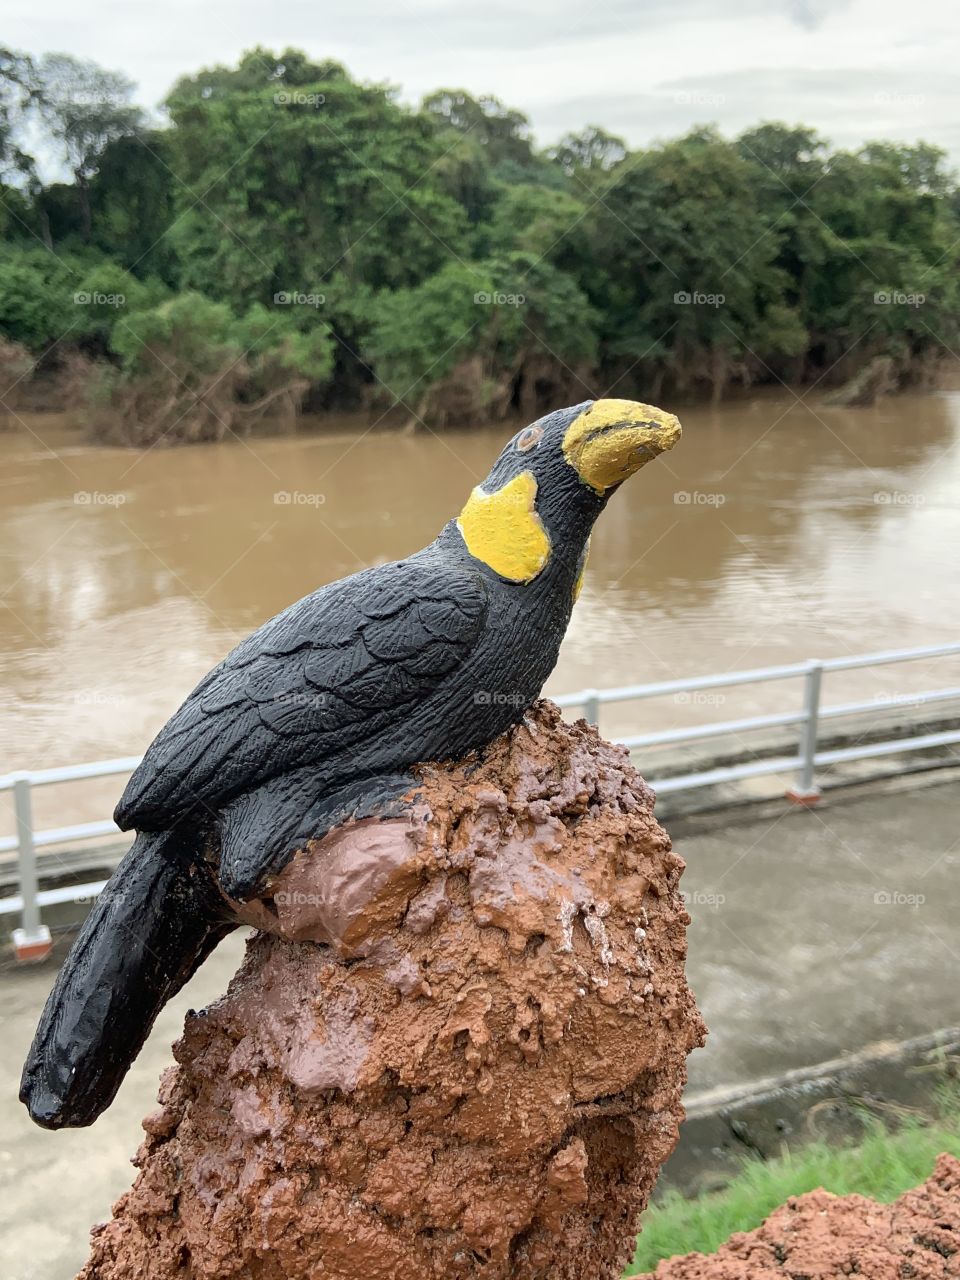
883	1165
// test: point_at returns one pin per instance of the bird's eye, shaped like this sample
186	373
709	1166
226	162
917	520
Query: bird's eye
528	438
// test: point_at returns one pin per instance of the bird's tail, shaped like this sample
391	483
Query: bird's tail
157	919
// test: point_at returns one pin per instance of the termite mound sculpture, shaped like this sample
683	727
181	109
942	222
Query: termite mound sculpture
455	1048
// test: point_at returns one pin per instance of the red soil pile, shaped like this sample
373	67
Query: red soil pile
823	1237
459	1054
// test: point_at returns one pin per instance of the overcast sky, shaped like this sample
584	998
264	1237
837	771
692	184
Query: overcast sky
646	69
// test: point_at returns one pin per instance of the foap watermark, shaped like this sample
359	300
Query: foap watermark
95	298
890	98
696	898
696	298
898	700
97	698
699	698
94	498
298	698
898	498
297	898
297	98
688	98
686	498
100	97
894	898
499	698
484	299
113	897
898	298
294	298
298	498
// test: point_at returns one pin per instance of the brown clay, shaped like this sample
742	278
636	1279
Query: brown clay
823	1237
458	1053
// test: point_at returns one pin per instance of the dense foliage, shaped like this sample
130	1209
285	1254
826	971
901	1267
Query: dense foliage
293	236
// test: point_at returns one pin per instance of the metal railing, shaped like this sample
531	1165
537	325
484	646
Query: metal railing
803	762
33	934
808	718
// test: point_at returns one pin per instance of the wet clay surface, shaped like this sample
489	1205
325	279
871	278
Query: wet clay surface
470	1064
819	1236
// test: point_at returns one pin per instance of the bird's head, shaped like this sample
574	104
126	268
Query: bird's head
553	479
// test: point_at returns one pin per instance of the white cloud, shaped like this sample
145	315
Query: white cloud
854	69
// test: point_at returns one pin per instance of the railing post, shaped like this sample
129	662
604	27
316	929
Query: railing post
591	706
32	941
806	791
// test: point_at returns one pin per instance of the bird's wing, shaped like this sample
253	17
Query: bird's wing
318	682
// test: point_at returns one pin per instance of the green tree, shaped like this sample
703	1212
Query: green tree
472	342
84	108
592	150
692	291
853	228
37	290
420	334
503	133
132	204
285	185
191	370
18	94
292	232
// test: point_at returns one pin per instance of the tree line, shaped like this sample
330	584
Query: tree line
291	238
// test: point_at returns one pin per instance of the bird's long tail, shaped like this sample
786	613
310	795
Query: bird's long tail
157	919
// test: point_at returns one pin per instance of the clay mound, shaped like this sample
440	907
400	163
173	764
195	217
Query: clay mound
474	1069
821	1237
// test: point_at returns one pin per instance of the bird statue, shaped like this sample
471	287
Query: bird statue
317	717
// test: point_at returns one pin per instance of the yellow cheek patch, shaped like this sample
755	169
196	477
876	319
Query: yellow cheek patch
504	531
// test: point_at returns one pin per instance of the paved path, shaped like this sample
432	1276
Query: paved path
813	933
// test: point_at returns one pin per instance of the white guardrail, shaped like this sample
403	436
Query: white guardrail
33	938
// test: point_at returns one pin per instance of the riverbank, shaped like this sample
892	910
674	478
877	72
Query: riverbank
57	397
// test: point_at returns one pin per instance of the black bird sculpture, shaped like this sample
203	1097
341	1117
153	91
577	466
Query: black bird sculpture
318	716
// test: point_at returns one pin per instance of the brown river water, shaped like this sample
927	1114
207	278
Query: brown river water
777	530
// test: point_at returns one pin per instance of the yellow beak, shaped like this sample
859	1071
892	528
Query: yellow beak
614	438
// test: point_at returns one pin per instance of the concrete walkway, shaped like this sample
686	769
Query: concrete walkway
814	933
